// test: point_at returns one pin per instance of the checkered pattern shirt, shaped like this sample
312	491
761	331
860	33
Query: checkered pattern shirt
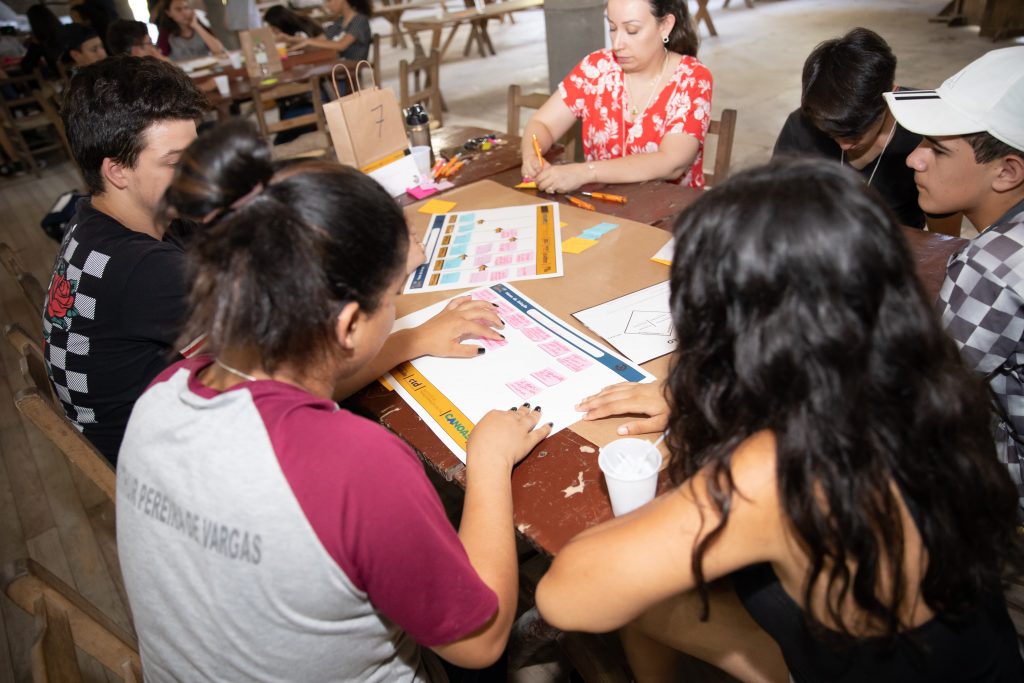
982	308
113	309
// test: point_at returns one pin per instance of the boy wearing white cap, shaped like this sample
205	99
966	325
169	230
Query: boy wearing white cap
972	160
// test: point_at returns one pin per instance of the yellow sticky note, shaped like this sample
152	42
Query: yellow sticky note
384	383
575	245
527	185
563	224
437	206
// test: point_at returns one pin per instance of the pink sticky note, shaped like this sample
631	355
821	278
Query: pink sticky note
554	348
524	257
536	334
505	310
485	294
575	362
503	260
524	272
547	377
524	388
483	248
481	261
480	276
517	320
421	192
507	246
499	275
491	344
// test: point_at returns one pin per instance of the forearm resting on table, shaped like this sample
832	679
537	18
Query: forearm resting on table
545	138
487	535
668	163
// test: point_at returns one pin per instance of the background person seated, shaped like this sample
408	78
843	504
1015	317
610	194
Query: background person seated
349	34
82	46
126	37
291	26
182	36
972	160
842	117
645	104
117	295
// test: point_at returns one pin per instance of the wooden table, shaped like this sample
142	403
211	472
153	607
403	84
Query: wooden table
477	19
393	14
297	67
550	507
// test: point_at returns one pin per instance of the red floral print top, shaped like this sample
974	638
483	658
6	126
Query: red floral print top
595	93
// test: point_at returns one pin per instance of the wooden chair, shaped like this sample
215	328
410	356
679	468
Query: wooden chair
725	129
65	620
30	287
37	403
375	59
429	68
517	100
25	344
32	113
313	144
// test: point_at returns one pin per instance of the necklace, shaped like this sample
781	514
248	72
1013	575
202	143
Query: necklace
888	139
633	111
245	376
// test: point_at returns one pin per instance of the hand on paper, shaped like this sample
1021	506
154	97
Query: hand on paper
562	178
506	435
463	318
630	398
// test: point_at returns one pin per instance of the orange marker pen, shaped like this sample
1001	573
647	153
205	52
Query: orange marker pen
618	199
536	148
580	203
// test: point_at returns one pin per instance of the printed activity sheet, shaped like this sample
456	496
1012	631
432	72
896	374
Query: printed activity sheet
475	248
542	361
638	324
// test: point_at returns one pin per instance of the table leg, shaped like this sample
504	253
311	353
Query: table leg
702	14
448	41
417	46
487	36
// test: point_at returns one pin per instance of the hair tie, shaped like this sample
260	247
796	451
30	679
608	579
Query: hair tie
247	197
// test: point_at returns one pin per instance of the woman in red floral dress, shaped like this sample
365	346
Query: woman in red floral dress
645	104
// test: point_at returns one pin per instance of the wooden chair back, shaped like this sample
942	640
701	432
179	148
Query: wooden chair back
60	609
517	101
10	260
31	106
21	340
725	129
36	402
375	59
429	69
32	290
270	95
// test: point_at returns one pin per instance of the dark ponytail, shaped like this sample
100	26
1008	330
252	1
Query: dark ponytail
282	247
683	38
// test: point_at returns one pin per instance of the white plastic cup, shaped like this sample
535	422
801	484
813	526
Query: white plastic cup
236	60
223	85
421	155
630	469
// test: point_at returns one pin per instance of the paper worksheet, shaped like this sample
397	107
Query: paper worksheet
638	324
474	248
542	361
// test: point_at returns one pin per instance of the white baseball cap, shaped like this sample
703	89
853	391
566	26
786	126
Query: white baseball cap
987	95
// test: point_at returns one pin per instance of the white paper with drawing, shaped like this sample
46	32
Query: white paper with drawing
542	361
638	324
476	248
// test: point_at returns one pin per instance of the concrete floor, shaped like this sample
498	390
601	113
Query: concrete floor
756	59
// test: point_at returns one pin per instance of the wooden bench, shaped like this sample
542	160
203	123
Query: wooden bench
476	18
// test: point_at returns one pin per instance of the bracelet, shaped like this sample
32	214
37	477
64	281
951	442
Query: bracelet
593	171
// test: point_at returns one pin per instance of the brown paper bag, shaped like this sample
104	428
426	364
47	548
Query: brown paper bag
365	125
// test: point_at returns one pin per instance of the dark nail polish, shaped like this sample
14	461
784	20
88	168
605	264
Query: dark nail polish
551	424
495	305
514	408
536	409
480	350
526	405
501	335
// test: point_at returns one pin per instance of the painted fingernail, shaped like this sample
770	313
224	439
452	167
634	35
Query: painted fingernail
495	305
622	430
536	409
501	335
526	405
551	424
514	408
480	350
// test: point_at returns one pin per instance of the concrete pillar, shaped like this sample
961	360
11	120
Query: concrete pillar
574	29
